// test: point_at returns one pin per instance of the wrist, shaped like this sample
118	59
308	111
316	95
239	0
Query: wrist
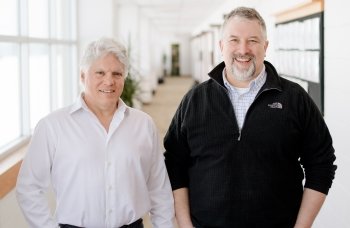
185	225
299	225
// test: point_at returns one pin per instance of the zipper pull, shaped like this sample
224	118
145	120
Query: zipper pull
237	136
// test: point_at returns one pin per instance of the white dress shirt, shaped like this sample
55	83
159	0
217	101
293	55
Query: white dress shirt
100	179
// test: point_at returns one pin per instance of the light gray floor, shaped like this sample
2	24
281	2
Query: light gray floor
166	100
164	105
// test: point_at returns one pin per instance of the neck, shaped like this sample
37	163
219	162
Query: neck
103	113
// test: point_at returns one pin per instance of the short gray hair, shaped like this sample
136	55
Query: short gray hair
247	13
102	47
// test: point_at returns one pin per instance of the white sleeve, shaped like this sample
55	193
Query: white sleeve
34	180
162	201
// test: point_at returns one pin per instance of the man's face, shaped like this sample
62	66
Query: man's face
243	47
103	82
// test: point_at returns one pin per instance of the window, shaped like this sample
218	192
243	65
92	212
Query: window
65	80
8	17
38	17
39	84
9	93
61	19
38	64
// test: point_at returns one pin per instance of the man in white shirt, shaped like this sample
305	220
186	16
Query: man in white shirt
103	158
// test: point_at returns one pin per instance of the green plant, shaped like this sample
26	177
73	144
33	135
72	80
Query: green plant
130	88
131	85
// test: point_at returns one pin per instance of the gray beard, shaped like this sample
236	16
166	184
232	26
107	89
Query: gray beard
244	75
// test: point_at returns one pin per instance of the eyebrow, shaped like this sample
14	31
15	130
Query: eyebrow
234	36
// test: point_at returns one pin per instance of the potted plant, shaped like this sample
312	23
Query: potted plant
130	89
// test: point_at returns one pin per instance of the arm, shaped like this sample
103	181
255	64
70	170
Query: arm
33	181
310	206
317	158
182	208
177	160
162	203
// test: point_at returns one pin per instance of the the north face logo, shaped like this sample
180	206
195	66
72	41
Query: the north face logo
275	105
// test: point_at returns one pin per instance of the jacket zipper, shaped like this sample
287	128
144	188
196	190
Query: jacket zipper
240	130
227	93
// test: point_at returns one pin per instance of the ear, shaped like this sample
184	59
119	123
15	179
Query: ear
82	77
221	45
266	45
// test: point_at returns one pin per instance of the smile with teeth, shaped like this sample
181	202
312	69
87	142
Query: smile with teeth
106	91
242	59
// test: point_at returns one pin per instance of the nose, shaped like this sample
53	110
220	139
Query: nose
243	47
108	79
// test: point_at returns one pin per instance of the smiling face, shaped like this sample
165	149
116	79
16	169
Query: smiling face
243	47
103	82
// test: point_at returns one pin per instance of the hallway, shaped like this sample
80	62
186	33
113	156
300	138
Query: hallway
164	105
41	48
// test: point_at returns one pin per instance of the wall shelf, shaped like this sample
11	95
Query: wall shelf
300	48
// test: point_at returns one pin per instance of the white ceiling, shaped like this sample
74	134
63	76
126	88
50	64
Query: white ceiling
176	16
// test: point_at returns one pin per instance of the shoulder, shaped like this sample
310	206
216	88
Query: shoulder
50	125
202	90
138	117
137	114
299	99
293	88
57	115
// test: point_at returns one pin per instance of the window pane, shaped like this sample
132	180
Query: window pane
73	70
39	85
73	20
9	93
8	17
64	19
38	14
63	84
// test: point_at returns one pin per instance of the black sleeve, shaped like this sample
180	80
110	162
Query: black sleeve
177	152
317	155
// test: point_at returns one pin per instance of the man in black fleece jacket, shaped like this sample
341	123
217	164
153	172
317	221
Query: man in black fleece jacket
240	144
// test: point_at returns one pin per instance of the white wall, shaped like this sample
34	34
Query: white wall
128	29
95	20
158	49
336	211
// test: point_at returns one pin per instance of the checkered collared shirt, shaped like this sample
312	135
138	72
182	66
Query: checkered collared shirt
242	98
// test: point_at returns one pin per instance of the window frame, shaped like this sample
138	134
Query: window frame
23	40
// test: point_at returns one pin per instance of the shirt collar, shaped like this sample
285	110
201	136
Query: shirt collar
80	104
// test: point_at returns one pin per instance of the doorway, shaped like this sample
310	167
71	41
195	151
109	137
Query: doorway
175	60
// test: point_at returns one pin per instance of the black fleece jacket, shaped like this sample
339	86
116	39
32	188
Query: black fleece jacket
253	177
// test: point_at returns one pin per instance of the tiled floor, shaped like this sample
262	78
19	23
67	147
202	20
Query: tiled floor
164	105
